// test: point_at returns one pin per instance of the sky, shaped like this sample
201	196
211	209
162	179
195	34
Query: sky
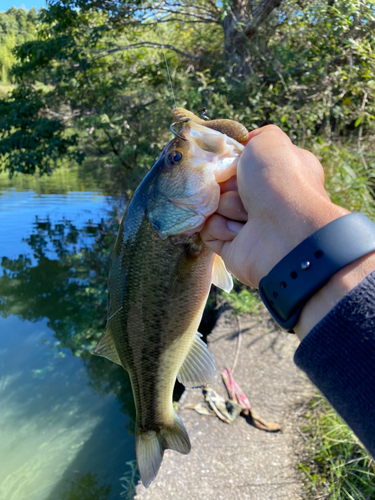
25	4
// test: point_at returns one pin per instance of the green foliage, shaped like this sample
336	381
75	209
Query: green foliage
28	139
337	465
244	300
17	26
349	182
106	96
104	80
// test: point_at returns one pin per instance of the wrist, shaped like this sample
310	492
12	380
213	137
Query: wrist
289	231
314	276
335	290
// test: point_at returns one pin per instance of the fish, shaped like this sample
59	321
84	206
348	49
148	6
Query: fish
160	277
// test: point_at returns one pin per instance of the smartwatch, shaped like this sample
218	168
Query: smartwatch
308	267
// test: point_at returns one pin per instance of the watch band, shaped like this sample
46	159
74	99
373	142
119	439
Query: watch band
308	267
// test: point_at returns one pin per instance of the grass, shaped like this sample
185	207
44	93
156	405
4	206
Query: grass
335	463
243	299
246	301
349	182
129	481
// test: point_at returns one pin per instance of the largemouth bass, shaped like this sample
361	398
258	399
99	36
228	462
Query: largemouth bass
159	282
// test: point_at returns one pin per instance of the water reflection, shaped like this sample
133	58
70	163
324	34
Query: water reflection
86	488
63	411
89	176
67	285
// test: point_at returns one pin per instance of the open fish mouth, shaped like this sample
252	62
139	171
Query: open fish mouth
224	152
221	152
187	191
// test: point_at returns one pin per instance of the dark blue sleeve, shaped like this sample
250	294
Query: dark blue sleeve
338	356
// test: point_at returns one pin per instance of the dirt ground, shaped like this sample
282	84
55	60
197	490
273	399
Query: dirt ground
239	461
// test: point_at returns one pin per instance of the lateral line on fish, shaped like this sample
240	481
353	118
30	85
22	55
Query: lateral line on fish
165	60
114	314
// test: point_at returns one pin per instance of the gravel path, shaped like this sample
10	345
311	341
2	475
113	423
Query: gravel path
239	461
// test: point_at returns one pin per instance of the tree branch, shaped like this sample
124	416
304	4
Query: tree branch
114	149
260	13
168	10
152	45
201	18
169	19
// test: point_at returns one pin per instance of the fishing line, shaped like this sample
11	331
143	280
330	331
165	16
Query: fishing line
165	60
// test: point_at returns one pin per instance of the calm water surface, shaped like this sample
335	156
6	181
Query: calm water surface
65	415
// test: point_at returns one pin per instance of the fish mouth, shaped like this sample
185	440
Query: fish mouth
219	150
187	191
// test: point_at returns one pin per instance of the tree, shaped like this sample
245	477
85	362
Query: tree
239	20
94	83
16	26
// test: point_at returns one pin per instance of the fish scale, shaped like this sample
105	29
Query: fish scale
158	286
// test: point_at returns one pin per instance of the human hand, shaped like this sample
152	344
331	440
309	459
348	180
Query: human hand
275	202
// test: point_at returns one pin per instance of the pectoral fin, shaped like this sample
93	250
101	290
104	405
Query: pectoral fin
106	347
220	276
199	366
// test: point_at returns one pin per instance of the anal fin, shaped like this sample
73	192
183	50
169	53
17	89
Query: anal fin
106	347
220	276
199	366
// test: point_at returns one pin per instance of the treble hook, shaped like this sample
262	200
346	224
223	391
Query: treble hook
202	114
174	132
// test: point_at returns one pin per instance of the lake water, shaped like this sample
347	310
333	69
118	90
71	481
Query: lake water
66	416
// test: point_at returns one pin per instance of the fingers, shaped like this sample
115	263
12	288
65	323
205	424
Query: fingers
231	206
265	209
229	185
218	230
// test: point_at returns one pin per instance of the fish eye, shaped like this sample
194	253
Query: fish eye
174	157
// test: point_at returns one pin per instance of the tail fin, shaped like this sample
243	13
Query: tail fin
150	446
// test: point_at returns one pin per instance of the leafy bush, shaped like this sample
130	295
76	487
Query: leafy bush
93	81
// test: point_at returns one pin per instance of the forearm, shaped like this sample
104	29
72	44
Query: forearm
338	355
335	290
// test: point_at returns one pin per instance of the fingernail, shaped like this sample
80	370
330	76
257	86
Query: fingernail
234	226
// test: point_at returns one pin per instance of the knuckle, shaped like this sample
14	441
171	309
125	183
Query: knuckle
271	132
278	133
273	128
